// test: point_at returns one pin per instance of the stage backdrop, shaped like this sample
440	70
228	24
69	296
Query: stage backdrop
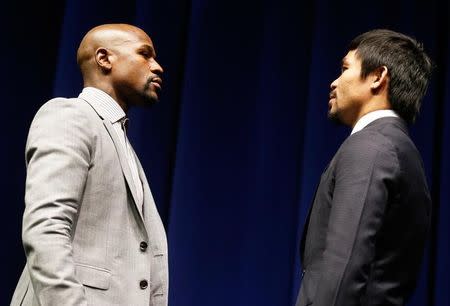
237	144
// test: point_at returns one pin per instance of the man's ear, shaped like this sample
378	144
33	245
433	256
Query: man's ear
103	59
379	78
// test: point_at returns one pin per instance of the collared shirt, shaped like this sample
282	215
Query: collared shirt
372	116
112	111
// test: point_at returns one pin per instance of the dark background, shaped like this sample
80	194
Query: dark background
235	147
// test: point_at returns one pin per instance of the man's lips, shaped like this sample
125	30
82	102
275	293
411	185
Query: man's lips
332	98
156	82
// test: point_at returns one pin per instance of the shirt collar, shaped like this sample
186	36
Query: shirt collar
103	104
372	116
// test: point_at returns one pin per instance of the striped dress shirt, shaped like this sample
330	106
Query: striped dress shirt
116	115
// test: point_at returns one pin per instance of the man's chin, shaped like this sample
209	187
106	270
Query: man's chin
150	99
334	117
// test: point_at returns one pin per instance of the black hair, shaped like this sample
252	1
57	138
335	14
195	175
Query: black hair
409	67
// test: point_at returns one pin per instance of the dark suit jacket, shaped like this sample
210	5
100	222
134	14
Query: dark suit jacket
366	230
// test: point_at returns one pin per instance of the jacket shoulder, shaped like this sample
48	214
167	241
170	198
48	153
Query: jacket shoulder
368	141
71	105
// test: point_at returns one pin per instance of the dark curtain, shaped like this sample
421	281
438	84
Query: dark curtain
237	144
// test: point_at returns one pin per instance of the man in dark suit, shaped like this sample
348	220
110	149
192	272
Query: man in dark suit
365	234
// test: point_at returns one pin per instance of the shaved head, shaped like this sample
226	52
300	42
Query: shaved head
108	36
120	60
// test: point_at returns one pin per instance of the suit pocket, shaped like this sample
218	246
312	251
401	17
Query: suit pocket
93	276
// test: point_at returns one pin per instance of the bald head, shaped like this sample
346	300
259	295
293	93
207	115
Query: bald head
120	60
107	36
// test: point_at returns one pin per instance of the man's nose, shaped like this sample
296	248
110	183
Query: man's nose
333	85
155	67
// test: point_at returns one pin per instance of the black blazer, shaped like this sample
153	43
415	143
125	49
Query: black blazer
364	238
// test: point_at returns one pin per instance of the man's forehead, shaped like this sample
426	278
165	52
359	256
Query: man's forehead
350	57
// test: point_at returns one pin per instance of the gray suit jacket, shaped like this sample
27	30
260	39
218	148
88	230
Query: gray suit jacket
85	240
366	230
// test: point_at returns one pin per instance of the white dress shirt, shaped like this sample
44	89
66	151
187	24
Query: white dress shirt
372	116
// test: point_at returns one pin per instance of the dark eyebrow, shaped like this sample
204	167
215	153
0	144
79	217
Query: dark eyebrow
148	49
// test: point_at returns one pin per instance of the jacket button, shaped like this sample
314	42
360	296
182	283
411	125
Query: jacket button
143	246
143	284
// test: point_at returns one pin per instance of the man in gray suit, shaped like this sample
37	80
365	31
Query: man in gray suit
91	231
365	234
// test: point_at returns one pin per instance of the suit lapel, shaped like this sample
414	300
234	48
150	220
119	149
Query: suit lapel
305	228
123	163
149	203
151	215
148	198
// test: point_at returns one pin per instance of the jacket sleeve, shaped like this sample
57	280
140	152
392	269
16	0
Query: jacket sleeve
366	172
58	157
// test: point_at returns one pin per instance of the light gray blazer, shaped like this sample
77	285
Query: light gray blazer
84	237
